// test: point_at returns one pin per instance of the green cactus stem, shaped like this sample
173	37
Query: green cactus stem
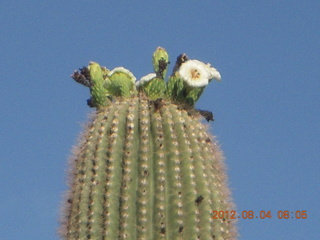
148	169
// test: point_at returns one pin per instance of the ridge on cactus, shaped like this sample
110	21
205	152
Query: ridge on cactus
145	166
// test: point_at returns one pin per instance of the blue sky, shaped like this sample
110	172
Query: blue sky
266	106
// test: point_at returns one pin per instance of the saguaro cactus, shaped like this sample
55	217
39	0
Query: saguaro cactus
145	167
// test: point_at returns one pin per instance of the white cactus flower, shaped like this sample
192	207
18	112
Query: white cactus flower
197	74
145	79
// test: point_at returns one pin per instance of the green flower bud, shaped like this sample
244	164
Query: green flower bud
175	88
99	95
95	71
152	86
120	82
160	62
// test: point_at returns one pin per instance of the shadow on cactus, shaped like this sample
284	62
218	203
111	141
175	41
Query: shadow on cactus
145	166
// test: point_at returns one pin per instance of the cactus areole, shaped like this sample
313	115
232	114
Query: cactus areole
145	166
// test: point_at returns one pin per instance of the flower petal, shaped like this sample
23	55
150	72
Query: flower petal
145	79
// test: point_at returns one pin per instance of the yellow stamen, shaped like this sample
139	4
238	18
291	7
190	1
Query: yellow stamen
195	74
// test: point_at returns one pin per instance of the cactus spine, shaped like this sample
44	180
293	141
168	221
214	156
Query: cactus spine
145	168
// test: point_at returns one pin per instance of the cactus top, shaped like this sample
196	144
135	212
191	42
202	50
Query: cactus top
184	86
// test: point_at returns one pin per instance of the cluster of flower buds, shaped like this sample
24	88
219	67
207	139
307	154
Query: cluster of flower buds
184	85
